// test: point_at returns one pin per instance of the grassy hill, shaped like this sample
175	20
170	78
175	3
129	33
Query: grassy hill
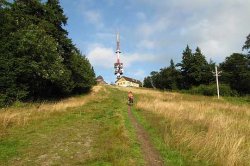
95	129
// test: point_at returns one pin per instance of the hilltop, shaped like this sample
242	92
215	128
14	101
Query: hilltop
100	129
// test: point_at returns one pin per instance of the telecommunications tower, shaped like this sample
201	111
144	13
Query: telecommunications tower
118	66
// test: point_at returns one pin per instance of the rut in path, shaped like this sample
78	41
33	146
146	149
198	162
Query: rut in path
151	155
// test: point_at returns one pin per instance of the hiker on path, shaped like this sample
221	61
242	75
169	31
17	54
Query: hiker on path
130	97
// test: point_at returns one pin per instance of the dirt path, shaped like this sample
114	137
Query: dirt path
151	155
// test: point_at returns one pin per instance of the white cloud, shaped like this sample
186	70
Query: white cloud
104	57
139	74
148	28
154	32
219	34
91	14
94	17
218	27
133	58
148	44
101	57
106	35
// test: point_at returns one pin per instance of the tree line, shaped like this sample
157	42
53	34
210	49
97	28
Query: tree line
194	72
37	58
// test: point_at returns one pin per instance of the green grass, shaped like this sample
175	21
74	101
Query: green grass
155	125
170	157
238	100
97	133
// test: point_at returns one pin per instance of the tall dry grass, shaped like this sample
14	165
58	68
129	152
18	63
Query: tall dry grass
13	116
217	131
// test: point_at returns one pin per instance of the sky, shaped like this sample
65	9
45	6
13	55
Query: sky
155	31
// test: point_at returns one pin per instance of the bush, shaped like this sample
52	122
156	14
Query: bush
11	95
211	90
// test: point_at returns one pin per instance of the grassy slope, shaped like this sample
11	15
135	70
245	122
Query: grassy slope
155	126
172	157
195	130
96	133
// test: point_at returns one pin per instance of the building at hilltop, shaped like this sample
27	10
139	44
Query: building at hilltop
128	82
100	80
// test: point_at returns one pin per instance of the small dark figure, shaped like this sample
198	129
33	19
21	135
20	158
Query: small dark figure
130	98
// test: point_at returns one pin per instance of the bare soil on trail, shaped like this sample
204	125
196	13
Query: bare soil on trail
151	155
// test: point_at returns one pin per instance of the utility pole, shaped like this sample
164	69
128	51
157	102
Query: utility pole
217	74
151	81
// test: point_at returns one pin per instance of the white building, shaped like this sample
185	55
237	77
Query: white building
128	82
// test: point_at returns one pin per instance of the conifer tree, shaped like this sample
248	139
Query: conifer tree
195	69
185	65
200	69
247	44
172	65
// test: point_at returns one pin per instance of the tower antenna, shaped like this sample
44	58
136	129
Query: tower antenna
118	66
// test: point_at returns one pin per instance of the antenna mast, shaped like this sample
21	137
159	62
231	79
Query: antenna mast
118	66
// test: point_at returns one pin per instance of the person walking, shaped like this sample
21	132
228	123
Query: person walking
130	97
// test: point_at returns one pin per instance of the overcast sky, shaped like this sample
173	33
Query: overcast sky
155	31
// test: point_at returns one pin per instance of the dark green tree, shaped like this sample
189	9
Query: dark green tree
195	69
167	78
247	44
236	72
83	73
155	79
172	65
147	82
170	77
200	71
186	63
37	59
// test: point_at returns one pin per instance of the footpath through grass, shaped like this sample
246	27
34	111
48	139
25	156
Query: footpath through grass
95	130
96	133
155	125
195	130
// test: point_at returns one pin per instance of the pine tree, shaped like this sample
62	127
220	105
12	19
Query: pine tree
195	69
186	63
172	65
200	69
247	44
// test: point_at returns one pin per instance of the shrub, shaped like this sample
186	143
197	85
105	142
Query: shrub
211	90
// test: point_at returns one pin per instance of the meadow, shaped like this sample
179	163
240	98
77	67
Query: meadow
92	129
20	114
215	132
95	129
